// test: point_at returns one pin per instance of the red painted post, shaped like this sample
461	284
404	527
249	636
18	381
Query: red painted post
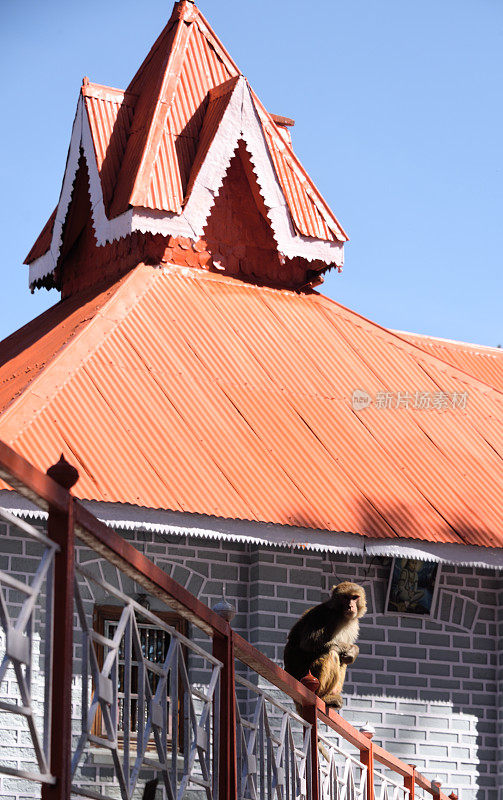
61	530
309	714
367	759
409	782
223	649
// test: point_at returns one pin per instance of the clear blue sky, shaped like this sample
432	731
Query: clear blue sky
399	120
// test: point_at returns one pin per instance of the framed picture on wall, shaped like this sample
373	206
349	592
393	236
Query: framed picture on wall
413	587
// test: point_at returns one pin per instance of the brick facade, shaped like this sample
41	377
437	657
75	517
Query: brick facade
429	687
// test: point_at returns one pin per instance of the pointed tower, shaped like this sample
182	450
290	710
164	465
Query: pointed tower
184	167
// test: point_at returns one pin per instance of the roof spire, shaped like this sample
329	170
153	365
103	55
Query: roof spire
151	160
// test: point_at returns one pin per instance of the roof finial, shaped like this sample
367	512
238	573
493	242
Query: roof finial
63	473
85	81
186	10
225	609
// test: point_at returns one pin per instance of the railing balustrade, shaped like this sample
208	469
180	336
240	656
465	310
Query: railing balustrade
137	702
273	748
26	671
143	715
386	788
342	775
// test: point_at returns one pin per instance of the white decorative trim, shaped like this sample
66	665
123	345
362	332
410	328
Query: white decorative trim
129	517
46	264
106	230
240	121
461	554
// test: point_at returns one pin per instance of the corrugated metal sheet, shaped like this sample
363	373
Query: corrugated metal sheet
110	113
166	188
306	215
309	210
486	363
199	393
25	354
200	70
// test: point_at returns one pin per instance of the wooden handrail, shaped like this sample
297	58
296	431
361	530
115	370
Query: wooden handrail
392	762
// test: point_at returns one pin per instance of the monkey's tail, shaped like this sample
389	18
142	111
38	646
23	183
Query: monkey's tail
324	752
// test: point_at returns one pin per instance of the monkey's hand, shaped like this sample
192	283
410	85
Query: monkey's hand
348	655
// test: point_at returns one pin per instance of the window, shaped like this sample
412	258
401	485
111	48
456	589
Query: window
155	644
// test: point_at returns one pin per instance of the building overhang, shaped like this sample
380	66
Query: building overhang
125	517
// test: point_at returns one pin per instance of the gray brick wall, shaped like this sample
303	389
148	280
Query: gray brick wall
428	686
499	721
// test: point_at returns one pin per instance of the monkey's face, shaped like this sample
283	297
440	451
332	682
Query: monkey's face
351	599
349	604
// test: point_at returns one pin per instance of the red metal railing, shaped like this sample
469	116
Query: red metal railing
69	518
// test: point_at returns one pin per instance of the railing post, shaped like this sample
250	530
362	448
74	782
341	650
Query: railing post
367	759
409	782
309	714
223	649
60	529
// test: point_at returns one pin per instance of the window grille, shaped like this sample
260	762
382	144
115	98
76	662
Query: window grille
155	644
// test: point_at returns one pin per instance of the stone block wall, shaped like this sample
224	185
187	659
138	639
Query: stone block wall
428	686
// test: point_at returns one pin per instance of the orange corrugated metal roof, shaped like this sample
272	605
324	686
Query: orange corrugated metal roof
146	139
310	212
242	408
486	363
26	353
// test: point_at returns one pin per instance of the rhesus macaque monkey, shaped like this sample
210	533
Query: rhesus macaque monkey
323	641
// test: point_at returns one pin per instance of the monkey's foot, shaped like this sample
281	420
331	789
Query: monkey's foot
333	700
